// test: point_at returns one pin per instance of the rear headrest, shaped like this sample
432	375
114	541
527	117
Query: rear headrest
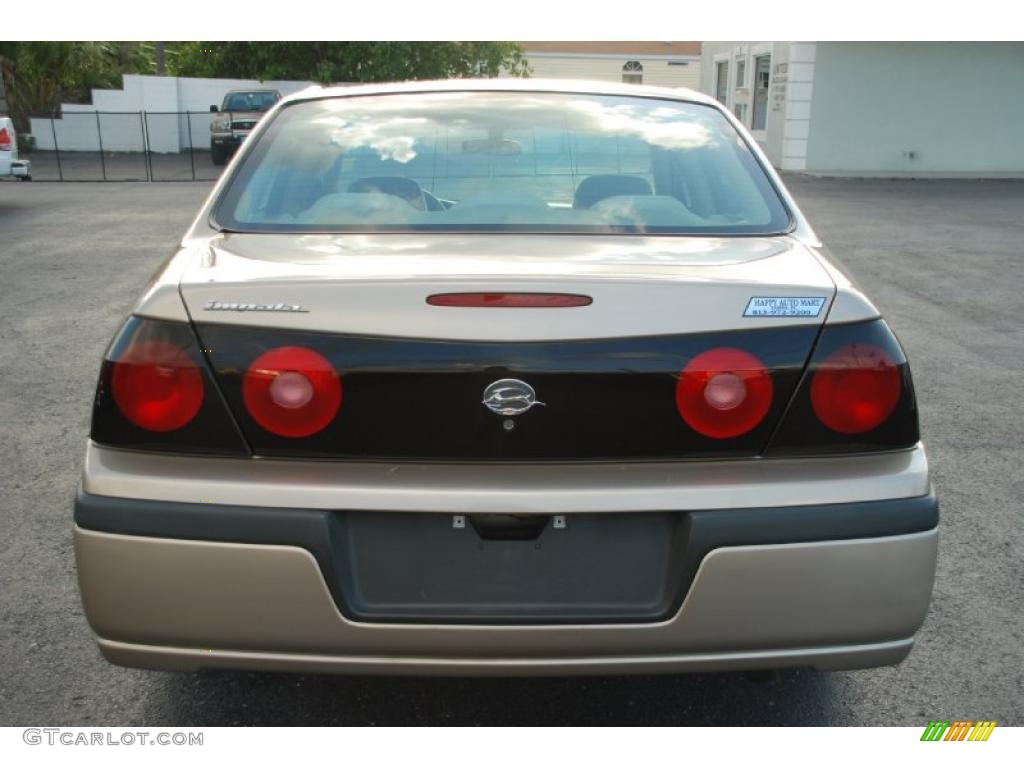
399	186
359	208
594	189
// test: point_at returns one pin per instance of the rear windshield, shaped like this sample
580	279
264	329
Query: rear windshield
256	101
500	162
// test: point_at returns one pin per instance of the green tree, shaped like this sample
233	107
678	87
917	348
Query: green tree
38	76
346	62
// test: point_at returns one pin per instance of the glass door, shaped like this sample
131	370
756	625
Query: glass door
762	78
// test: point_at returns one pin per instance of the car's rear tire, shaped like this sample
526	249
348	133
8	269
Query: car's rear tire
218	155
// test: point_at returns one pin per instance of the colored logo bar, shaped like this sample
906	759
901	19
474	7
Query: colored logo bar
958	730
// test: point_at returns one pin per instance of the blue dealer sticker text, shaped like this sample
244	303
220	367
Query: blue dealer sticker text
784	306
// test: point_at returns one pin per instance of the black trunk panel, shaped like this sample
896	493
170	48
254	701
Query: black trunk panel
420	399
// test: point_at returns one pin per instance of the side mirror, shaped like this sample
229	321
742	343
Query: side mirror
214	108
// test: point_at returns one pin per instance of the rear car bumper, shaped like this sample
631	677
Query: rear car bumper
174	584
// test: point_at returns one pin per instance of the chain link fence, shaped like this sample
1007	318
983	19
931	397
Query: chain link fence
120	146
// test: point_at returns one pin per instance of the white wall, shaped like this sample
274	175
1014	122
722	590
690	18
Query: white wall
909	109
684	73
160	97
77	129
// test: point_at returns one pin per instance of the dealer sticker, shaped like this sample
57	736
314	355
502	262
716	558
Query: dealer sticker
784	306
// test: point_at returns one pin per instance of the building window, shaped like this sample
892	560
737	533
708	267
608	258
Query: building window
740	110
762	78
722	81
741	71
633	72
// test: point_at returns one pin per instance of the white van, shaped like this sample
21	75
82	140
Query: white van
10	165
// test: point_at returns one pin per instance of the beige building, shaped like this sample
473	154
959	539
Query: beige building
671	64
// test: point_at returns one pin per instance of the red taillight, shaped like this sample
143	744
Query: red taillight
855	388
292	391
6	142
157	386
515	300
724	392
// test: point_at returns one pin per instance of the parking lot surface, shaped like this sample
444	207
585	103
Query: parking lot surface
942	259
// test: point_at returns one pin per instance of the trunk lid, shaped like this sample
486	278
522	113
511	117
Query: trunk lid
378	284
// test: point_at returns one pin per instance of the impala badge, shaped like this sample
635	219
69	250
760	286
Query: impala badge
510	397
241	306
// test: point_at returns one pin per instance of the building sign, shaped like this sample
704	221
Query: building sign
778	97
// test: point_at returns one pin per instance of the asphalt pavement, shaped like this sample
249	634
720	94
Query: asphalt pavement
944	261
